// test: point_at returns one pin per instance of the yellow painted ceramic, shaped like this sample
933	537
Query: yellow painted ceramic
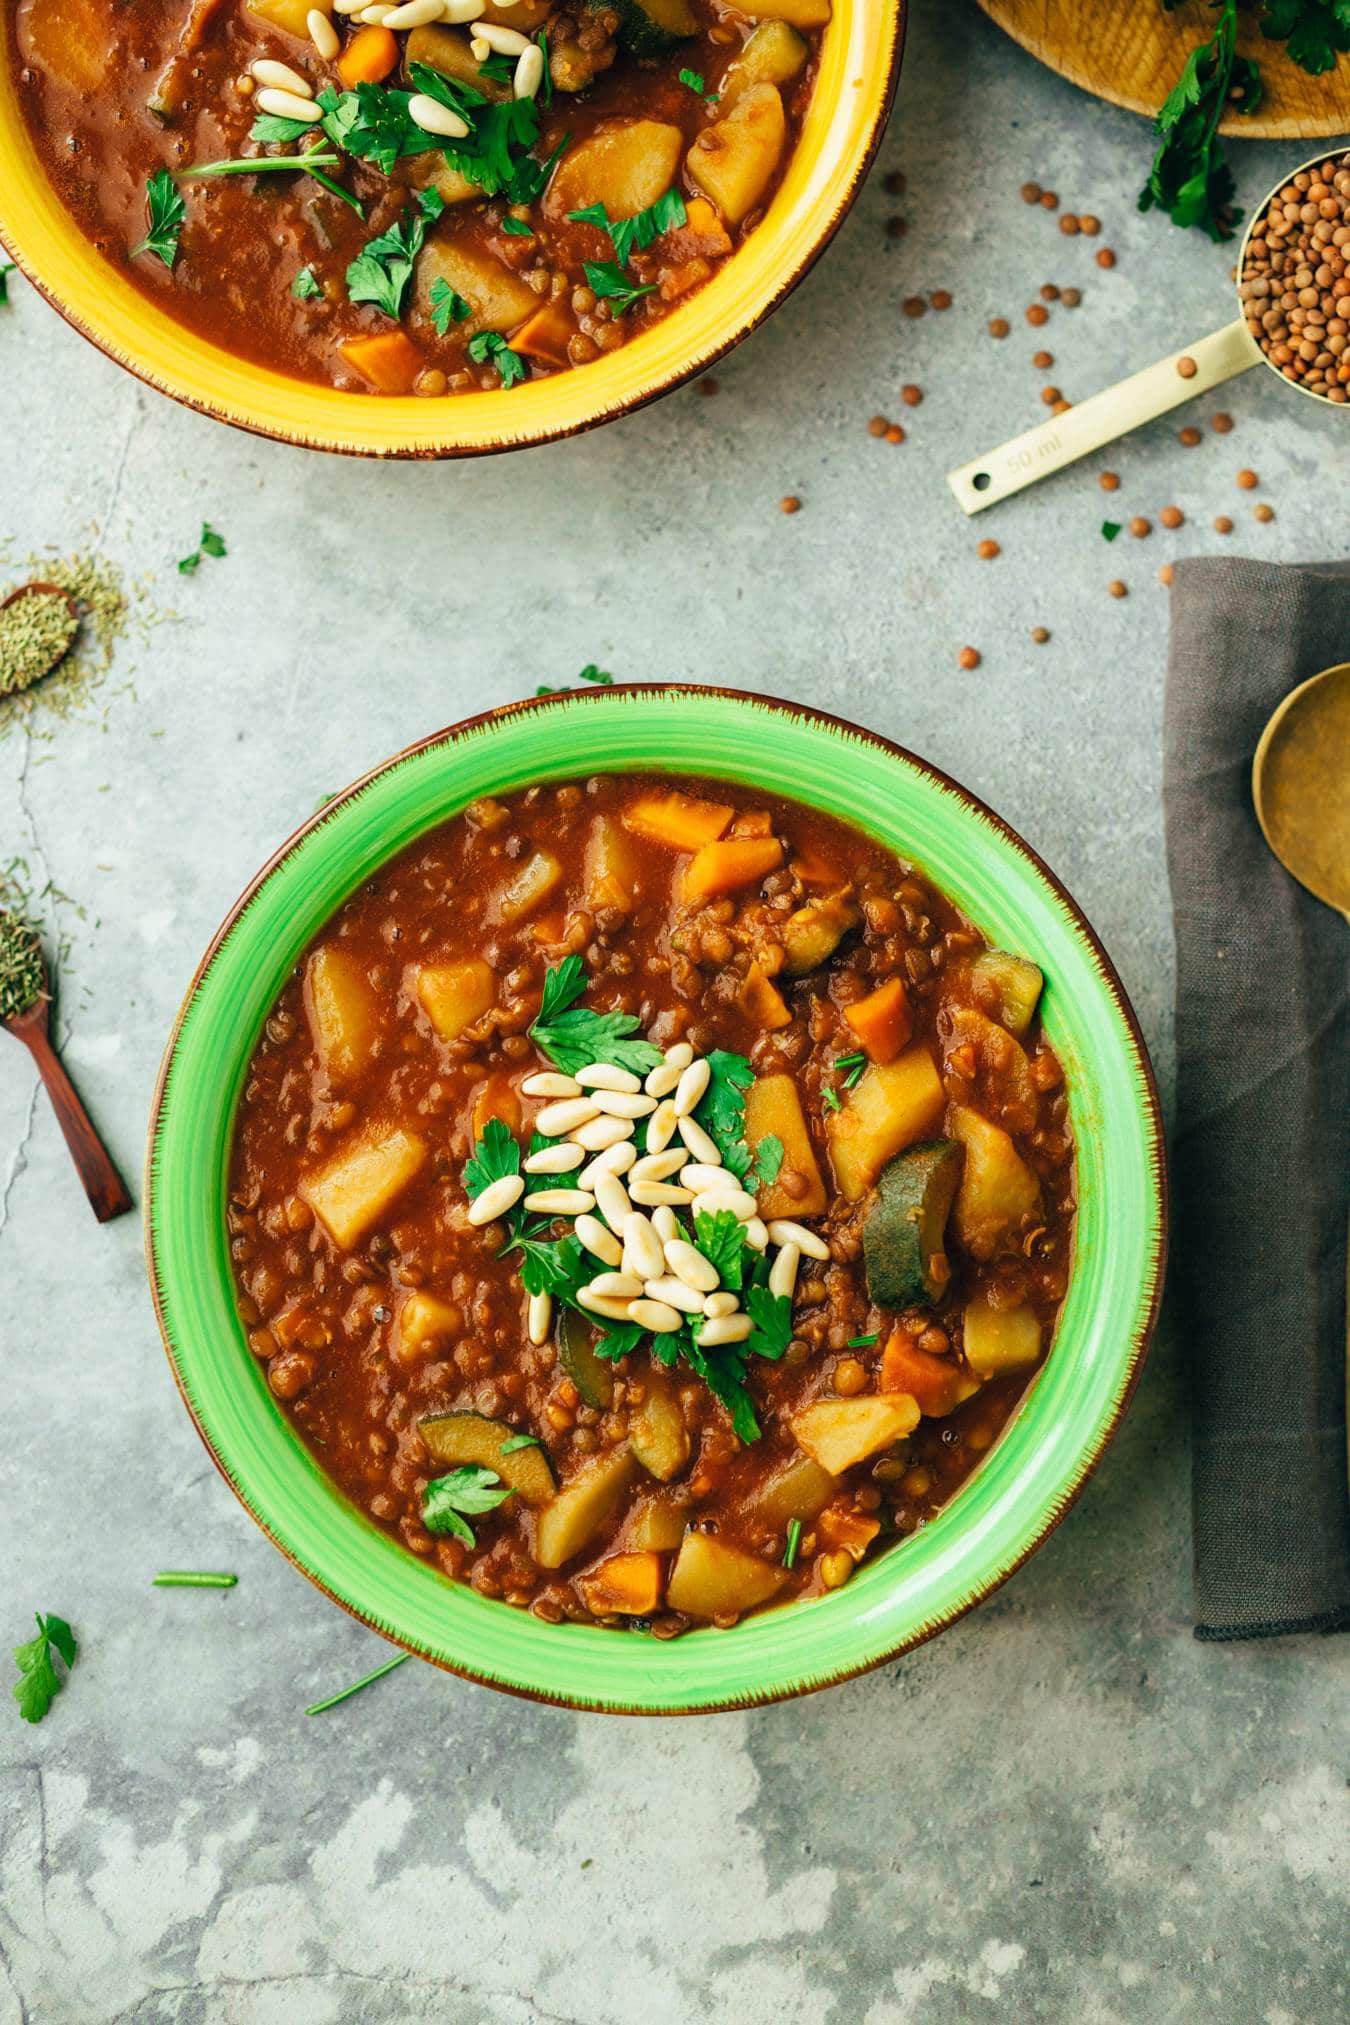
860	62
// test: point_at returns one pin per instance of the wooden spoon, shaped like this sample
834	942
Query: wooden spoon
102	1183
1301	785
37	589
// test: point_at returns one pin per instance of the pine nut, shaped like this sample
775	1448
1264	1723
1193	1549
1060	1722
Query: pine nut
479	50
322	34
540	1317
612	1198
701	1179
414	14
689	1090
548	1083
605	1076
661	1126
597	1135
662	1079
280	75
618	1286
592	1233
624	1103
560	1201
461	11
555	1120
640	1239
601	1304
741	1205
559	1159
287	106
689	1264
782	1231
718	1305
658	1166
659	1194
614	1160
349	6
372	17
701	1145
757	1233
435	118
506	41
724	1329
783	1271
675	1294
496	1199
666	1224
679	1054
529	70
658	1316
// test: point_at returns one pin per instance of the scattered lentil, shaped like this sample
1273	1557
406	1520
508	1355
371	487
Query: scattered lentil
1166	574
1050	395
1109	481
1265	513
914	305
987	550
1222	524
709	385
1040	634
1031	193
941	298
1038	314
1068	225
36	631
1118	589
968	657
878	426
1050	200
1050	293
911	395
1189	436
1061	406
1139	527
896	227
1187	367
999	326
1105	257
1071	297
1247	481
895	434
894	185
1089	225
790	503
1043	361
1171	516
1221	424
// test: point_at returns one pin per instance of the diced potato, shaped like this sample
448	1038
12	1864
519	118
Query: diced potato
773	1108
342	1011
837	1433
734	160
454	995
584	1507
682	822
656	1430
497	298
799	1491
424	1322
815	931
751	822
625	1585
287	15
883	1021
539	876
1012	985
728	864
773	54
351	1193
711	1579
447	50
761	1001
849	1530
938	1383
547	335
997	1187
800	13
657	1527
625	166
431	171
892	1105
814	870
1000	1339
72	40
609	869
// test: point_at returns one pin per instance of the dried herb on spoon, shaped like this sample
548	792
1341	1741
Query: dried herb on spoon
22	973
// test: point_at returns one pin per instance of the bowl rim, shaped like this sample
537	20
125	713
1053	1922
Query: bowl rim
1150	1294
449	450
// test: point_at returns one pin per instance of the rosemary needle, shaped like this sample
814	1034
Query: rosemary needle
193	1578
357	1685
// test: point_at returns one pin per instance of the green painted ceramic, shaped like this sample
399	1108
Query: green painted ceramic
1050	1447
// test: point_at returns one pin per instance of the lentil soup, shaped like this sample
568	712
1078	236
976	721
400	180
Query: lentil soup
649	1200
495	190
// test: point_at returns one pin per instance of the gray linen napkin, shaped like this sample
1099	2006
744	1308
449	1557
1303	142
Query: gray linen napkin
1261	1166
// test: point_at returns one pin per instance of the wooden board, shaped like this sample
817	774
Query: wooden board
1130	52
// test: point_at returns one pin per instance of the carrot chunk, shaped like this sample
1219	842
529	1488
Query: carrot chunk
368	58
390	360
937	1383
627	1585
682	822
722	867
883	1021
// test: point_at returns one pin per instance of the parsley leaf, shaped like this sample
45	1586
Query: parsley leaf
500	67
1190	178
39	1683
1315	30
305	288
374	122
620	1339
794	1540
167	213
489	348
573	1036
468	1489
517	228
608	280
723	1372
639	231
519	1441
721	1109
694	80
768	1159
560	1269
383	268
495	1155
546	82
212	543
1110	529
772	1317
447	307
721	1239
7	267
275	127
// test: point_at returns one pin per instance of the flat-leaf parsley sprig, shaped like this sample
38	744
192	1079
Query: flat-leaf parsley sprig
573	1036
39	1682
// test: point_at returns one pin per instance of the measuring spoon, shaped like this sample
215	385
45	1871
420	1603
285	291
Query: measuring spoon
1301	785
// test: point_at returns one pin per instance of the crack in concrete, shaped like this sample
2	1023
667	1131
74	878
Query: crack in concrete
318	1978
120	474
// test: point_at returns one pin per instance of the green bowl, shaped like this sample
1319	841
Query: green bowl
1033	1473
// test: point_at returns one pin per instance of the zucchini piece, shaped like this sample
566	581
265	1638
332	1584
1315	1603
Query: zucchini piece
650	27
904	1237
584	1508
837	1433
815	931
892	1105
733	161
773	1109
625	166
711	1579
1014	985
799	1491
657	1434
657	1527
472	1438
622	1585
1000	1339
447	50
590	1374
773	54
997	1187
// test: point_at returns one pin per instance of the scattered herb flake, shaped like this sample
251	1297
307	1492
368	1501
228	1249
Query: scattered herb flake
831	1099
519	1441
193	1578
517	228
794	1540
343	1694
863	1342
772	1317
609	281
628	234
1110	529
446	306
7	268
305	287
721	1239
39	1683
383	268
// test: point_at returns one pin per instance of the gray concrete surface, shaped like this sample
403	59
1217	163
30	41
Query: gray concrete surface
1064	1809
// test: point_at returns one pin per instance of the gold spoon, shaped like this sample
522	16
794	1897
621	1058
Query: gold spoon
1301	785
39	589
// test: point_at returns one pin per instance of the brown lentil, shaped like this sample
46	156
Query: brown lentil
1295	280
790	503
1247	481
1040	634
941	298
1109	481
1139	527
968	658
1105	257
1090	225
1050	200
1049	292
1118	589
894	185
1050	395
914	305
1189	436
911	395
1068	225
896	228
1071	297
1187	367
1221	424
1031	193
1265	513
1166	573
999	326
1042	361
878	426
1222	524
987	550
895	434
1038	314
708	386
1171	516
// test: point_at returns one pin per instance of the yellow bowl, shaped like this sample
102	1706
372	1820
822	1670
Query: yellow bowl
859	66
